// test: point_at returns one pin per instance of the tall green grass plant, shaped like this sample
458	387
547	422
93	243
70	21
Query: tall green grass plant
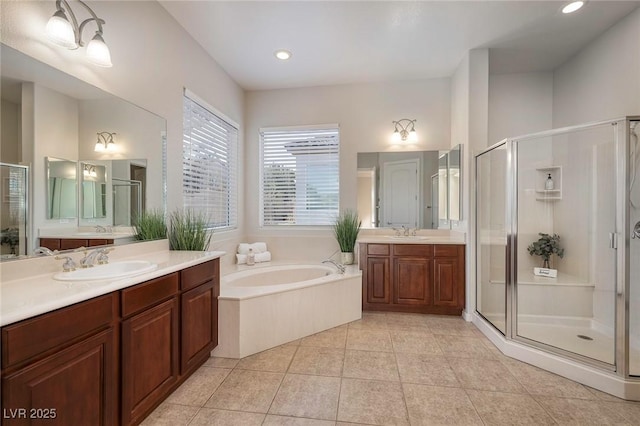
188	231
150	225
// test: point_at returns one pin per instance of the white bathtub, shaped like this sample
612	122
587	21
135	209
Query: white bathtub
262	307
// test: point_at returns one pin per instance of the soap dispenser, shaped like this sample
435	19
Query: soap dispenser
251	258
548	185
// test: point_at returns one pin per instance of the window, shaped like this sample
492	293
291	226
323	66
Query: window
299	175
209	164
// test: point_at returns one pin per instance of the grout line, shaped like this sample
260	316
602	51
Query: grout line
474	406
282	380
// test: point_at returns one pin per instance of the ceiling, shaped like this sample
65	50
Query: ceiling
342	42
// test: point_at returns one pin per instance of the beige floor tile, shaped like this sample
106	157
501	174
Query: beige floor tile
293	343
540	382
603	396
434	405
372	402
484	374
452	328
629	410
496	408
415	342
207	417
199	387
332	338
246	390
318	361
370	365
408	322
425	369
272	420
168	414
221	362
463	347
275	360
307	396
580	412
370	320
369	340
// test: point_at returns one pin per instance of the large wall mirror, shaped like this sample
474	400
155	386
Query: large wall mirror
51	122
419	189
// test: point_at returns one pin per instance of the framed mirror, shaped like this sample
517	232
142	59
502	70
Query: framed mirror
62	188
66	116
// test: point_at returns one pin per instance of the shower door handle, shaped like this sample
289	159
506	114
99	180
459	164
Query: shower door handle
636	231
613	240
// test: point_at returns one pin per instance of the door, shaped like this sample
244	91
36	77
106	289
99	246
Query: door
412	281
378	280
435	201
401	193
199	324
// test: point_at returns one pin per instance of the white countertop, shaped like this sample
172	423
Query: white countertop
392	239
23	297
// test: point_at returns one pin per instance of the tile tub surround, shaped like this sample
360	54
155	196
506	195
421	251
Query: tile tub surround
260	317
310	382
27	287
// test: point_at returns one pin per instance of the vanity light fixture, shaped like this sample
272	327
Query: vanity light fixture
282	54
572	7
105	142
89	171
69	34
405	131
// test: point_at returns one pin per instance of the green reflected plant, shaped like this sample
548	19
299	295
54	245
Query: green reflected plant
188	230
150	225
346	229
546	246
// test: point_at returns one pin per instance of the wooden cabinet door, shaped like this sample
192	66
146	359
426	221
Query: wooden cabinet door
199	326
378	280
76	386
412	281
447	282
149	359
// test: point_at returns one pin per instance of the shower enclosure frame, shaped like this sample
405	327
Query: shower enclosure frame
544	355
27	196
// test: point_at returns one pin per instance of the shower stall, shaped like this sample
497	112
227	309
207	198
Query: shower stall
575	193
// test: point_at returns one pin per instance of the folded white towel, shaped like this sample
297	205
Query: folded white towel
243	248
259	258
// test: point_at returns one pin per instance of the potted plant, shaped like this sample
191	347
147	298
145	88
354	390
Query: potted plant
346	229
188	230
150	225
10	237
546	246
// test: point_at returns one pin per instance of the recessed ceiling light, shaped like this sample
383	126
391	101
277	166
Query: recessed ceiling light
572	7
282	54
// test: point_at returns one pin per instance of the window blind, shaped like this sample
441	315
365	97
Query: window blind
209	165
299	176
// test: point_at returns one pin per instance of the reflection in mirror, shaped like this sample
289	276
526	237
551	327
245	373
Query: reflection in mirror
13	199
443	183
61	190
94	191
48	113
455	178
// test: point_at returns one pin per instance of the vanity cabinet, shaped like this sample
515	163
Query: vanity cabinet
422	278
73	243
112	359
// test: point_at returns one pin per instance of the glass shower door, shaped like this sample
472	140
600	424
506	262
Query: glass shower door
566	212
13	210
491	236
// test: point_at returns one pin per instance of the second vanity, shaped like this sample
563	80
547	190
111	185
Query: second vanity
413	274
105	352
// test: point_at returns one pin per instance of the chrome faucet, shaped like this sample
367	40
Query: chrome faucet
46	251
68	265
341	268
98	256
100	229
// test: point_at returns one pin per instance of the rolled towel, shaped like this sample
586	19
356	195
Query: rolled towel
259	258
243	248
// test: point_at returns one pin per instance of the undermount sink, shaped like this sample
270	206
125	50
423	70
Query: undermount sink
407	237
126	268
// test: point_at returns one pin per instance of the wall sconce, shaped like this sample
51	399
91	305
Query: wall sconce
402	132
105	142
69	34
89	171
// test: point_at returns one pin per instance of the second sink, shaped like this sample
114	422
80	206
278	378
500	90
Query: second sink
126	268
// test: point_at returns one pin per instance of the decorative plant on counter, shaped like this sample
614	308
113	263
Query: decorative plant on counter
10	237
150	225
188	231
546	246
346	229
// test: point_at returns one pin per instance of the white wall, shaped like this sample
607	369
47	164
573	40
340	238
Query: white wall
10	138
364	113
519	103
153	57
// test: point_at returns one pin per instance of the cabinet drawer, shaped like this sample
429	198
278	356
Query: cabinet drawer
447	250
196	275
147	294
72	243
47	332
421	250
378	249
50	243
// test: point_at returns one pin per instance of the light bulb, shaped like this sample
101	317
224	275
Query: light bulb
572	7
60	31
282	54
98	52
396	136
99	147
111	147
413	135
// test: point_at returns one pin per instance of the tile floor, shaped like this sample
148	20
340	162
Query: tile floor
387	369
